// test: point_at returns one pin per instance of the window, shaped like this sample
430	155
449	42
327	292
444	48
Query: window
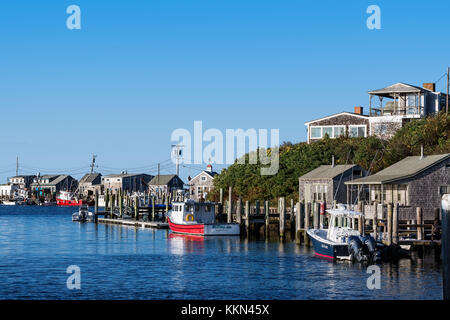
357	131
381	129
444	190
328	131
316	132
203	178
331	131
412	99
338	131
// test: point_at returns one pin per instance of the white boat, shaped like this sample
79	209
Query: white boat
198	218
9	203
83	214
341	241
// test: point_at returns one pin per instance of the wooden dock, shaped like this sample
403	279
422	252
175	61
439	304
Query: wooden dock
133	223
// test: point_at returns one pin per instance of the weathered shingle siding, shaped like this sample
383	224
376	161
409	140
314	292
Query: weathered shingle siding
341	120
423	191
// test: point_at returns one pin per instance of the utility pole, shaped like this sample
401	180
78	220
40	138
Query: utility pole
177	150
158	175
93	163
448	84
17	166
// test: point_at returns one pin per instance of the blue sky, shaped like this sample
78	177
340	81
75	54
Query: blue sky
137	70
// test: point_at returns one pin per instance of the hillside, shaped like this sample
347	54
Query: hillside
370	153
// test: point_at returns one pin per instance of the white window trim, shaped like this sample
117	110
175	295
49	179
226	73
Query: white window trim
358	126
321	131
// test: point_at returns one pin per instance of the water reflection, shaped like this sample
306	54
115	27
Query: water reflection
157	264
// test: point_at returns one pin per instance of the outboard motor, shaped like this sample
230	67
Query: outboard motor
355	249
370	244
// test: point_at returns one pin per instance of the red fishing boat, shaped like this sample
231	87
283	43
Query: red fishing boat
66	198
198	218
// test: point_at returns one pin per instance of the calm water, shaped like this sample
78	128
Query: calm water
37	244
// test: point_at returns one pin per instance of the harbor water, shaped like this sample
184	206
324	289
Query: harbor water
38	244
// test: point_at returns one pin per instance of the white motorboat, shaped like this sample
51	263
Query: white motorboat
341	241
83	214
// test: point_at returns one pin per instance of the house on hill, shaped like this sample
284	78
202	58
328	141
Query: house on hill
398	104
326	183
418	181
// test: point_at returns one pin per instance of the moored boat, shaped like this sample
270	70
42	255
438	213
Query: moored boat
83	214
198	218
66	198
9	203
341	241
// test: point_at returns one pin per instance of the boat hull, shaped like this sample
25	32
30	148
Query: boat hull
62	202
326	249
201	229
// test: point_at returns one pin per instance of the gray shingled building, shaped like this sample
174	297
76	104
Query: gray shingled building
326	183
164	183
412	182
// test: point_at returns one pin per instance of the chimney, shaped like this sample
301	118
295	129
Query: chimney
359	110
430	86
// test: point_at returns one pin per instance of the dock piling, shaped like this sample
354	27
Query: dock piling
282	211
419	223
445	245
239	211
298	221
307	216
230	204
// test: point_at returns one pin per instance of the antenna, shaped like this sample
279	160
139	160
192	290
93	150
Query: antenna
448	85
93	163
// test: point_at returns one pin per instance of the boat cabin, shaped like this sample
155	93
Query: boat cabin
342	224
191	211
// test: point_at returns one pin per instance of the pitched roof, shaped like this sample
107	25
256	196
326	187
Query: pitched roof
162	179
399	87
56	179
211	174
328	172
338	114
406	168
89	177
122	175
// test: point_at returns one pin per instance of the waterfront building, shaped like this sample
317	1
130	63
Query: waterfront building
165	183
326	184
127	182
8	190
23	181
201	184
90	183
418	181
404	103
52	184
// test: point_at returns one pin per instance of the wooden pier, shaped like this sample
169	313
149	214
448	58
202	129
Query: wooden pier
132	223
